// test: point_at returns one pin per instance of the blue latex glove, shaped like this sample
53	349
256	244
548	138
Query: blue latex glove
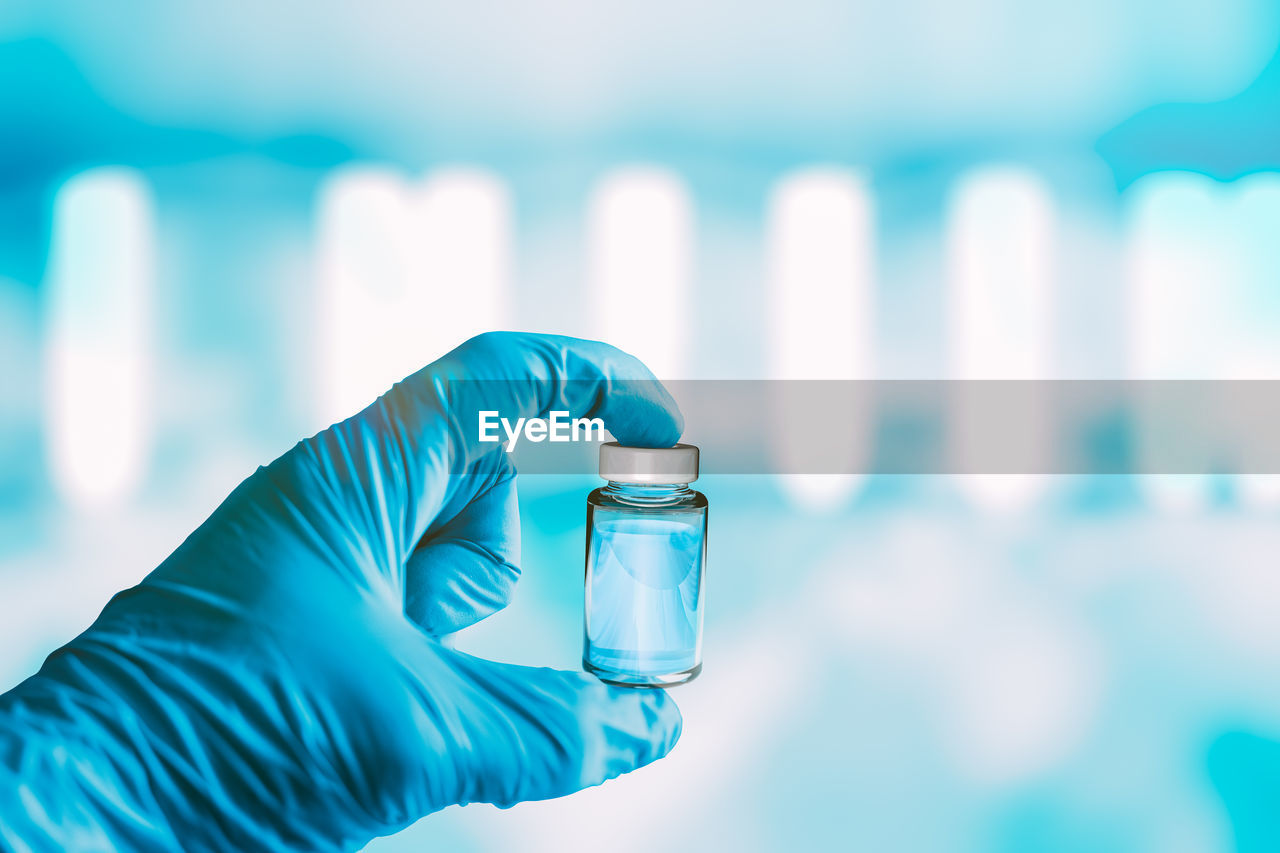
279	681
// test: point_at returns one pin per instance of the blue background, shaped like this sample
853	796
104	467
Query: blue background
901	666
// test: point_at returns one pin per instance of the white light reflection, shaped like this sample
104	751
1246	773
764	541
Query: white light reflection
98	340
999	267
408	271
1203	257
640	232
820	307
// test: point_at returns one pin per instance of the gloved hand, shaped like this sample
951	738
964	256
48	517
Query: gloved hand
279	681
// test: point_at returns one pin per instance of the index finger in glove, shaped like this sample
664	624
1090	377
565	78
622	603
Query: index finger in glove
408	464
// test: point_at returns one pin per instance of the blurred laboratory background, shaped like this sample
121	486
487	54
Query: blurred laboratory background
223	227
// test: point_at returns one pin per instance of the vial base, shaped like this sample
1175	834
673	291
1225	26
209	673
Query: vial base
632	679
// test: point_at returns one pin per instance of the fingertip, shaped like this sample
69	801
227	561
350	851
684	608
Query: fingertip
664	718
546	733
638	408
592	378
621	728
659	421
644	414
641	726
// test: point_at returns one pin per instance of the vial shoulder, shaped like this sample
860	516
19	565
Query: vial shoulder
693	499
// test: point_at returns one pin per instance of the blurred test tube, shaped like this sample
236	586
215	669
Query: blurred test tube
999	277
98	336
408	271
820	320
1203	257
639	244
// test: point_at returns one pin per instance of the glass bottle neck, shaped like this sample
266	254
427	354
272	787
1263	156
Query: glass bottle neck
647	493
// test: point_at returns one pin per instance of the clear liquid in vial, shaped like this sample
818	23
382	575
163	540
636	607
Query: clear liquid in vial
644	595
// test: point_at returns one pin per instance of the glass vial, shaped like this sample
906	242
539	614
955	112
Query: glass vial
646	553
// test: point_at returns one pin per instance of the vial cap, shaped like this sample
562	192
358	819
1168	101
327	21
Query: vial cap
622	464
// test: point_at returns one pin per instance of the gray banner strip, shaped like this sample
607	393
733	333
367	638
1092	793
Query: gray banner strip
919	427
